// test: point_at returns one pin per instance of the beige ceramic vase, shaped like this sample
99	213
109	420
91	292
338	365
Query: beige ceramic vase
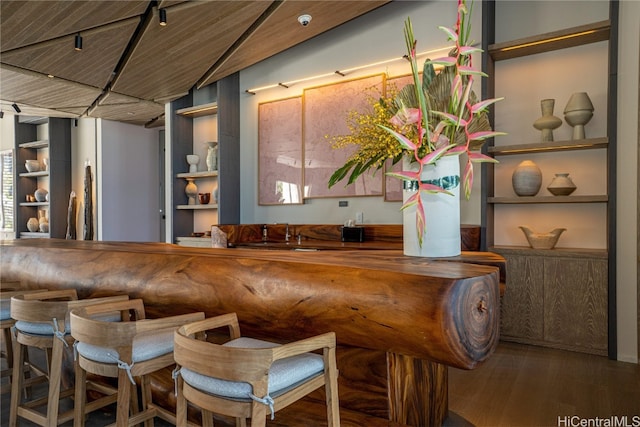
526	179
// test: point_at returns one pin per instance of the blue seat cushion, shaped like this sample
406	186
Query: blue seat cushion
145	347
284	373
46	328
5	309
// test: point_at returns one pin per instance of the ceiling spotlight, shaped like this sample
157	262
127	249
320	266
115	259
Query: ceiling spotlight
78	43
304	19
16	108
162	14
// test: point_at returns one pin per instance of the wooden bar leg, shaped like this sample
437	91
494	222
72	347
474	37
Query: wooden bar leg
418	391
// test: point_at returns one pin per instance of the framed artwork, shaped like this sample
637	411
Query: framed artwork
325	110
280	152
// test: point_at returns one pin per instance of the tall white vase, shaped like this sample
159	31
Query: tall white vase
441	237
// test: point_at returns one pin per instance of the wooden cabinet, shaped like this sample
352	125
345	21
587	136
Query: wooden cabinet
40	139
555	298
223	106
562	297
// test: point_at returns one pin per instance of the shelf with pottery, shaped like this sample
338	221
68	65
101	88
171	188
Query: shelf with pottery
198	207
549	146
550	287
43	176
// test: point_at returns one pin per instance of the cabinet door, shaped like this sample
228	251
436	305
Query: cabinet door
522	303
575	292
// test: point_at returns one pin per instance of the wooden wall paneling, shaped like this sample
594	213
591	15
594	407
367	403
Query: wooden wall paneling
59	175
522	304
181	144
575	309
229	150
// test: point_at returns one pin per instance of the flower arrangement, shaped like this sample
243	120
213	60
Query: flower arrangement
438	115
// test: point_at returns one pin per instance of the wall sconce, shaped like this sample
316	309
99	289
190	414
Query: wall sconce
78	42
162	15
1	114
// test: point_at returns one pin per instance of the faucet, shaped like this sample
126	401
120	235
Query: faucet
287	236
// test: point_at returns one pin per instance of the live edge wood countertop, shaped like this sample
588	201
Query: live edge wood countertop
441	311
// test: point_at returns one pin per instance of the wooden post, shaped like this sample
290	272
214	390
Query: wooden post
418	391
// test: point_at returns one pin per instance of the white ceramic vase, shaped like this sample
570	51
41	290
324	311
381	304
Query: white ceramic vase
212	156
441	237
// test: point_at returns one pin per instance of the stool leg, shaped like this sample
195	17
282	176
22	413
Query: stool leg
124	397
8	346
55	373
16	382
147	400
80	395
181	406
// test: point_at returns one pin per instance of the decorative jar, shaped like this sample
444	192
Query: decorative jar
526	179
561	185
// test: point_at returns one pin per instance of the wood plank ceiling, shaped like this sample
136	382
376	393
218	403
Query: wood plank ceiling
129	65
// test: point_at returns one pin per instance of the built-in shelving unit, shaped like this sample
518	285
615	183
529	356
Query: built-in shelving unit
548	290
223	107
30	145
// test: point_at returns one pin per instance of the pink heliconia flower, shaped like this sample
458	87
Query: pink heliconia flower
406	116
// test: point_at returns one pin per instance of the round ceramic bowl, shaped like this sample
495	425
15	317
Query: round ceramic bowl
41	195
32	165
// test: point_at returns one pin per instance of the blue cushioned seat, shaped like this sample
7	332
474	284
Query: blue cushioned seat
5	309
283	374
42	328
145	347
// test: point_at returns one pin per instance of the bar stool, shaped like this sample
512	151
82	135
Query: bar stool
42	322
249	378
8	290
132	347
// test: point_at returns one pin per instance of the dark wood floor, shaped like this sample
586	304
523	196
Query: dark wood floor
521	386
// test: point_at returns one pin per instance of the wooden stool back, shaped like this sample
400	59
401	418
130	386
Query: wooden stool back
41	309
119	337
248	365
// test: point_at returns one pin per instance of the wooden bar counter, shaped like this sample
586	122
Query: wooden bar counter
399	321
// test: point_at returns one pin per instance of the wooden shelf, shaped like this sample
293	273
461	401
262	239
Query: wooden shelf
34	234
35	144
34	204
197	175
546	147
34	174
197	207
548	199
563	252
570	37
199	110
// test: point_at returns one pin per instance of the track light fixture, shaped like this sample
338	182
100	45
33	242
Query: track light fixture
78	43
16	108
162	15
